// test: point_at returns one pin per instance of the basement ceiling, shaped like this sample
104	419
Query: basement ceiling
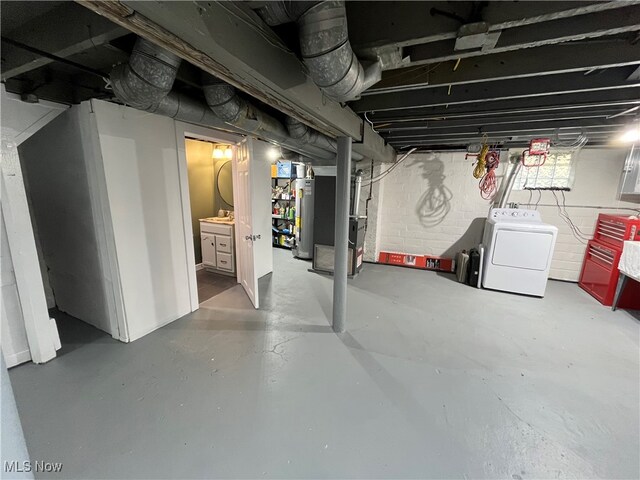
453	72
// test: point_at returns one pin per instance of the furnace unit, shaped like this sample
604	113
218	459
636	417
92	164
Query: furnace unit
324	227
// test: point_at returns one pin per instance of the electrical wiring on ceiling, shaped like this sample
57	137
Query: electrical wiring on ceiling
370	122
580	141
390	169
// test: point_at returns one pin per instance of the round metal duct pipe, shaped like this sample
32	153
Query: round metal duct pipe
147	78
225	102
325	46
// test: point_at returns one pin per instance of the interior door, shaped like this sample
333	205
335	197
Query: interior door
246	258
252	203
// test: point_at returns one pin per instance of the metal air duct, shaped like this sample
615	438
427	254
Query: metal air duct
147	78
308	136
225	102
325	46
145	83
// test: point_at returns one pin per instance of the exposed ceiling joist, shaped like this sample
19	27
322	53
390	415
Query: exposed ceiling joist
480	122
621	99
82	31
229	41
611	22
545	60
402	24
471	130
500	137
501	90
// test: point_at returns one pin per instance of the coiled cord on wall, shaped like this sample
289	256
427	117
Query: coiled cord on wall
488	183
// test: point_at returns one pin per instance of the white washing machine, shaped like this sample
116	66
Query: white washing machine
518	251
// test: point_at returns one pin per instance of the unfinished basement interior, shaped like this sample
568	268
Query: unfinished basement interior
320	239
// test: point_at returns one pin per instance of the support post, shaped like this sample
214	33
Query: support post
341	240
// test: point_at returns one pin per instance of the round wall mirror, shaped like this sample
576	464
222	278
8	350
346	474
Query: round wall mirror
224	182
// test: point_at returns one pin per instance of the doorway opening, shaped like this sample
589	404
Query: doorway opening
70	233
209	171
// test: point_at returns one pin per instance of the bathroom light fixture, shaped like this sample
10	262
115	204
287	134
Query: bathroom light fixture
222	151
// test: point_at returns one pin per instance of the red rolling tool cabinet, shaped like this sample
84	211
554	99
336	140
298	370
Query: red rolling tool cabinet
599	276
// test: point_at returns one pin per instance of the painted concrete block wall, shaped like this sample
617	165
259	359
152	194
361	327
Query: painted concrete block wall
139	153
200	165
430	204
597	180
58	186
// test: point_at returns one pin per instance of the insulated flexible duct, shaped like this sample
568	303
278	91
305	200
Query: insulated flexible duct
325	46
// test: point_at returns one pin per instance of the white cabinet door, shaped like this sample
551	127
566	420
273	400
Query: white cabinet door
208	243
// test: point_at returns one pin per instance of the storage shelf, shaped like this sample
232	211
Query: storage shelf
283	200
278	217
275	245
275	234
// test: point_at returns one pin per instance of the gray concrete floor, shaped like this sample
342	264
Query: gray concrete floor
434	380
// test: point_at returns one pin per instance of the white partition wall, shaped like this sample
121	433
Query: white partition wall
110	194
26	330
139	156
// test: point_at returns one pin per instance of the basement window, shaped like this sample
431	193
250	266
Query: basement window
556	174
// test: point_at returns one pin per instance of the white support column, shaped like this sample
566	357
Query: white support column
341	241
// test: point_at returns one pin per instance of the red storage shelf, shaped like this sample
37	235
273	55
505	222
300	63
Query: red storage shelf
615	229
599	272
599	276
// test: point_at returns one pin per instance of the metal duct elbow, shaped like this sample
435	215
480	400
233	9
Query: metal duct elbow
225	102
147	78
306	135
325	46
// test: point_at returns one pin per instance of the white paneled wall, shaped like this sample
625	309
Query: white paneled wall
430	204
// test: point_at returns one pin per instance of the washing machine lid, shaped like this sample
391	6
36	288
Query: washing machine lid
526	248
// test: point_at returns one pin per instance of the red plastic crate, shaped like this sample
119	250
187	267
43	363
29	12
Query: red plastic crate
426	262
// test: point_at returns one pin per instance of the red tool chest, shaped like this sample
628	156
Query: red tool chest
599	276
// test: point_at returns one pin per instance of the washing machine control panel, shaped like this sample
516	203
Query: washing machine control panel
519	214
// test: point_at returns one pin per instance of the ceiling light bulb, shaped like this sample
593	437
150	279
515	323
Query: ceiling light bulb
273	153
217	153
228	153
631	135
